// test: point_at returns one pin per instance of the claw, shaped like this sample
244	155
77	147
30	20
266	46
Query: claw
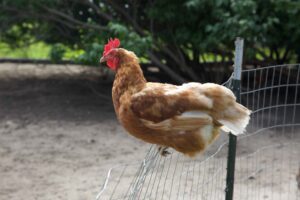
163	151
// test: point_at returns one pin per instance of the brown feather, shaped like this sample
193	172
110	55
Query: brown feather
186	118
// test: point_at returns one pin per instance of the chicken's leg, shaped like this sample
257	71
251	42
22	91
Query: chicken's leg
163	151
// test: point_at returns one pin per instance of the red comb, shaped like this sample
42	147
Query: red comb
111	44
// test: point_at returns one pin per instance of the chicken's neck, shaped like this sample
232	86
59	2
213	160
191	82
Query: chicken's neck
129	79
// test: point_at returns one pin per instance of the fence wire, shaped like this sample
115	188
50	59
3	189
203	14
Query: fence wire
267	155
269	160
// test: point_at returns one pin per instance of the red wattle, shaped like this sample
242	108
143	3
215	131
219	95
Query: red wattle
113	63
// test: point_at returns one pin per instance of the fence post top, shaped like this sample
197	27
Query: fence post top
238	58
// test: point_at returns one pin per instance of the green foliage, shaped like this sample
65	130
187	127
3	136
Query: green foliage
179	33
91	54
57	52
213	25
37	50
130	39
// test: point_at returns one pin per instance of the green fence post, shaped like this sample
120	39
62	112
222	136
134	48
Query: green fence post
235	87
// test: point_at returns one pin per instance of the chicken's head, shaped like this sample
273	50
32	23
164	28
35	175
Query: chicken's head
110	53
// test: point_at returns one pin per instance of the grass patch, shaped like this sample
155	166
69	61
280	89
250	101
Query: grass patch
39	50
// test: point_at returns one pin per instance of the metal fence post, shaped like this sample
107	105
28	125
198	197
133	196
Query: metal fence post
235	87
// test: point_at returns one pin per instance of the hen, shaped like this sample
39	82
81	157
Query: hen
187	118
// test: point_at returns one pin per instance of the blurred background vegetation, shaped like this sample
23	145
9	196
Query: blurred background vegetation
185	39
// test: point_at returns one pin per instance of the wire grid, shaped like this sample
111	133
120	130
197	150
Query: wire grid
267	156
171	177
174	177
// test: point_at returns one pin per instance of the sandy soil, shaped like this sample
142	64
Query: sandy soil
58	133
59	136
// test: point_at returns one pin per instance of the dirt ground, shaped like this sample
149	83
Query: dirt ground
59	137
58	133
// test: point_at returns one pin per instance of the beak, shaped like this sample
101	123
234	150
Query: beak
102	59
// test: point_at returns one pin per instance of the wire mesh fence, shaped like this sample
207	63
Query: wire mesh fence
267	159
269	154
172	177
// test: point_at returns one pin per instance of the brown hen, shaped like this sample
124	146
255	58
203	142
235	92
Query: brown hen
187	118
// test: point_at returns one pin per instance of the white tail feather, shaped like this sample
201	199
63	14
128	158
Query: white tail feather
236	127
235	120
225	129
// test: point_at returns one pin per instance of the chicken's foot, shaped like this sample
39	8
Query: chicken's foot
163	151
